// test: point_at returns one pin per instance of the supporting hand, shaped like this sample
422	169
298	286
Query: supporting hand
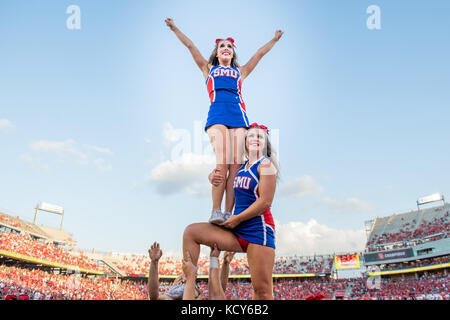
232	222
215	178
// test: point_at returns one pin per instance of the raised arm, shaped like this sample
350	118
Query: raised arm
215	289
155	254
190	271
225	270
201	62
251	64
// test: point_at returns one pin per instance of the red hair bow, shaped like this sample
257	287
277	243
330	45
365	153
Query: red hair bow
255	125
229	39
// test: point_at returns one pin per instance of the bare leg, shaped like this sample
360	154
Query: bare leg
229	195
260	261
218	135
207	234
237	138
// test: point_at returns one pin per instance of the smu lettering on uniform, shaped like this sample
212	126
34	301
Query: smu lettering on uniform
242	182
220	72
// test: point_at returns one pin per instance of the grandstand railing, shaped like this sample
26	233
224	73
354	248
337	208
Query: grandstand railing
409	270
48	263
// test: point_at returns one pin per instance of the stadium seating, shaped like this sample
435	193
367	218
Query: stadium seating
16	283
139	264
23	244
414	264
387	233
402	289
398	231
41	285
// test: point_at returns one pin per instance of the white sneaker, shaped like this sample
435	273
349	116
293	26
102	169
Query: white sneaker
226	215
217	217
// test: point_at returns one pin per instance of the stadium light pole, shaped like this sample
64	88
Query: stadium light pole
35	213
49	208
62	218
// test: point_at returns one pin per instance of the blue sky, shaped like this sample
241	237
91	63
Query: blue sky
99	120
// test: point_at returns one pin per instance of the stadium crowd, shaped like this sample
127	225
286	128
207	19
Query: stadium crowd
22	283
135	265
139	264
41	285
426	287
35	284
356	289
316	264
15	222
412	264
410	234
23	244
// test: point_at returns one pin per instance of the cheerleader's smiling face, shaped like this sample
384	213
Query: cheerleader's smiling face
255	141
225	50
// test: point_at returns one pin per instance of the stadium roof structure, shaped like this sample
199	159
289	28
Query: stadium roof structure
49	234
57	234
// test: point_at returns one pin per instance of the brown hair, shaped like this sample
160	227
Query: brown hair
268	151
215	61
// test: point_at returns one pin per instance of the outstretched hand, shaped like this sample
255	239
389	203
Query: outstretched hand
215	252
155	252
228	257
170	23
278	35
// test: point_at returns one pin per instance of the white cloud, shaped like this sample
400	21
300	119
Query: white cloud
99	149
301	187
81	154
32	162
171	134
61	148
101	165
186	174
200	190
349	205
5	125
313	238
26	158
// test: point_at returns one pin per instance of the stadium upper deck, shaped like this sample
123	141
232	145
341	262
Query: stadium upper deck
42	233
408	229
